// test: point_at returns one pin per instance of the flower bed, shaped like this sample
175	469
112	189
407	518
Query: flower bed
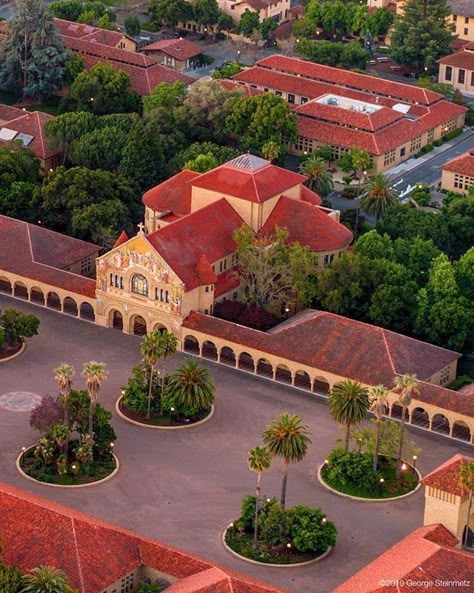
8	351
167	419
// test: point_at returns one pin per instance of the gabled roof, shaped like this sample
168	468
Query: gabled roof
90	32
464	164
206	231
428	554
174	194
462	7
308	225
40	254
180	49
32	124
7	113
95	554
446	476
122	238
249	178
460	59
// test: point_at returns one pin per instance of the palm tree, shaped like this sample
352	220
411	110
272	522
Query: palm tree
151	349
192	385
259	460
169	345
348	404
378	406
407	387
378	196
95	373
287	437
319	177
272	150
466	479
45	579
63	376
361	163
60	433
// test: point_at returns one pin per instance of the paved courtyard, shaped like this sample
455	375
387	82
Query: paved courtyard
183	487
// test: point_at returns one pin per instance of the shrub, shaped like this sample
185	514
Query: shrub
247	518
309	532
229	310
453	134
18	326
351	467
11	578
257	318
46	414
275	527
426	148
438	142
136	391
460	382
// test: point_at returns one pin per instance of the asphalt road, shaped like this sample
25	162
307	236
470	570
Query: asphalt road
184	487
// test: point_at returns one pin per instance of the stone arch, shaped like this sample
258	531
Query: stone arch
86	311
70	306
303	380
36	295
53	301
321	385
115	319
227	356
396	411
265	368
283	374
420	417
209	350
5	285
440	424
246	362
160	327
20	290
461	431
191	344
138	325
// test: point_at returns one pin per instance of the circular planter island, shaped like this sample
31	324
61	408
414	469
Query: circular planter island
10	352
167	421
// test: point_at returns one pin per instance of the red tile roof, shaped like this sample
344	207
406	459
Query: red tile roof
90	33
464	164
32	124
123	238
245	89
39	254
204	271
446	476
180	49
308	225
254	185
206	231
7	112
308	195
174	194
428	554
95	554
346	78
349	348
226	282
460	59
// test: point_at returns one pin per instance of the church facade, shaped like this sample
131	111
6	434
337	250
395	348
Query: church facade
183	258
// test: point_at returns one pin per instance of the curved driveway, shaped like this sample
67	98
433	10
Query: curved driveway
183	487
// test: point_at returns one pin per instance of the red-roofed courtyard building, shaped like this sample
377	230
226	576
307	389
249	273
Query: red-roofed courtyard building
390	120
458	174
457	69
178	54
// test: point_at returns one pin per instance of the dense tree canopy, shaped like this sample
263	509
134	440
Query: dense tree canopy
91	12
169	12
331	53
165	94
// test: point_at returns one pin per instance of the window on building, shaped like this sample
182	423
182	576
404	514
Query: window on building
167	296
402	151
304	100
444	376
111	280
461	76
455	17
121	282
139	284
86	266
278	93
415	144
328	259
206	289
466	31
466	21
389	157
291	98
449	73
430	136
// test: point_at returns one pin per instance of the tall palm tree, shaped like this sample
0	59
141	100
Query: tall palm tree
287	437
407	387
272	150
63	376
348	404
378	196
319	177
192	385
169	345
378	406
151	349
466	479
259	460
45	579
361	163
95	373
60	433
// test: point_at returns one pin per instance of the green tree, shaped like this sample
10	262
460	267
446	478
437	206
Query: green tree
272	150
151	350
206	12
63	130
202	163
66	9
319	178
220	154
45	579
225	22
267	26
464	270
275	526
169	12
259	461
192	386
165	94
63	376
407	386
60	434
323	52
74	66
457	219
99	149
17	326
422	34
466	480
100	223
303	28
378	407
168	346
380	21
311	531
104	89
249	22
378	196
348	404
33	56
288	438
95	374
18	165
353	56
132	25
19	200
256	120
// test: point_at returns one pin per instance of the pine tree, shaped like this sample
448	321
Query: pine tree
34	56
422	34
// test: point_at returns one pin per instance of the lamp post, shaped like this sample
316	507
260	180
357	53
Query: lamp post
324	521
238	56
231	532
288	551
414	463
381	482
404	469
